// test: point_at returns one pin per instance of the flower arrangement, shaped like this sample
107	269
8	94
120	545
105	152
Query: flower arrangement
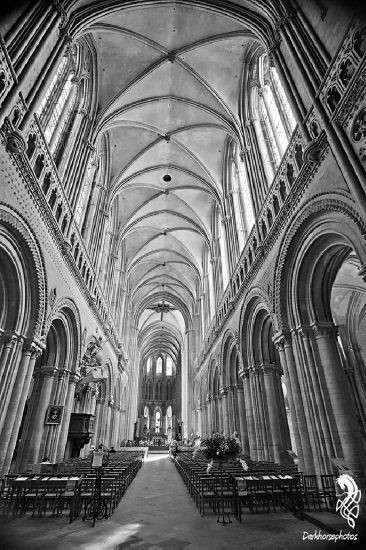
220	447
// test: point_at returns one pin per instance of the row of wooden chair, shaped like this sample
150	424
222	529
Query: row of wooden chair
302	491
41	494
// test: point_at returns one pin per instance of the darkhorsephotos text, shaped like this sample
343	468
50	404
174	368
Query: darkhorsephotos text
318	535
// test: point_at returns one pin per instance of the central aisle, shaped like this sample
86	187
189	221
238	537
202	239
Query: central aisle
157	513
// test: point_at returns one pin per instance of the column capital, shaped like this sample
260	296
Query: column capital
244	374
223	391
304	331
10	338
46	371
74	378
324	329
269	369
282	340
255	369
362	272
32	347
62	373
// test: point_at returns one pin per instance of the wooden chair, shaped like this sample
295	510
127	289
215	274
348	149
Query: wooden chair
206	493
311	491
328	493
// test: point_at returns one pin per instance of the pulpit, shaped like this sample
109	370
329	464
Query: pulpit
81	429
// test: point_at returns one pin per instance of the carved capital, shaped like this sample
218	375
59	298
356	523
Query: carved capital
244	374
15	142
269	369
255	370
74	378
282	340
46	372
324	330
362	272
30	347
304	332
10	339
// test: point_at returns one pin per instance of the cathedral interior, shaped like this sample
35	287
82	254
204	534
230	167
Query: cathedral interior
182	229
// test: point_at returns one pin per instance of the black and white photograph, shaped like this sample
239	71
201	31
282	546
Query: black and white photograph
182	275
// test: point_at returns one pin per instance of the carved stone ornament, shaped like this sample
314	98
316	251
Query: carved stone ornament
15	142
52	298
359	126
312	152
93	354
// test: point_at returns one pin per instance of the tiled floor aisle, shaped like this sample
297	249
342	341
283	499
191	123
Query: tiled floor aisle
157	513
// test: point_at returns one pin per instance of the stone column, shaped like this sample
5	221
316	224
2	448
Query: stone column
31	441
68	406
108	423
97	421
320	400
304	439
52	432
243	421
273	412
259	420
232	409
218	416
337	388
209	427
9	341
249	414
15	409
225	412
283	419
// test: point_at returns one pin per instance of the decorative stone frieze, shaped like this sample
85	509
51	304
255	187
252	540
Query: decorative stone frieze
7	73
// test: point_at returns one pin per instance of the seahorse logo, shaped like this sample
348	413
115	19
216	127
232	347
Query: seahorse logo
348	501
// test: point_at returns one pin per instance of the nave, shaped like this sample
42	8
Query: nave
182	253
158	513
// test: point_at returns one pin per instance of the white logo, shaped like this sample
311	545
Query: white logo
348	501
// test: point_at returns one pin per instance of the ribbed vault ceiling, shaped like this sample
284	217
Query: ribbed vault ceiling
169	81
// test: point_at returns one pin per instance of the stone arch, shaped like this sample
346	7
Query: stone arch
213	366
323	236
67	310
334	215
21	249
255	300
228	344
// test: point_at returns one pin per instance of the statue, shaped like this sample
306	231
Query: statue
92	356
91	369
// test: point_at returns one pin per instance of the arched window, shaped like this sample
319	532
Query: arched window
276	120
169	417
169	366
223	252
169	391
148	366
159	366
85	190
146	417
157	421
238	213
242	200
56	107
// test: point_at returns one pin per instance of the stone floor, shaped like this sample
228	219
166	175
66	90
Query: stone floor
158	513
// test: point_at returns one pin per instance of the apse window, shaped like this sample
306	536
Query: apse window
148	365
169	366
159	366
